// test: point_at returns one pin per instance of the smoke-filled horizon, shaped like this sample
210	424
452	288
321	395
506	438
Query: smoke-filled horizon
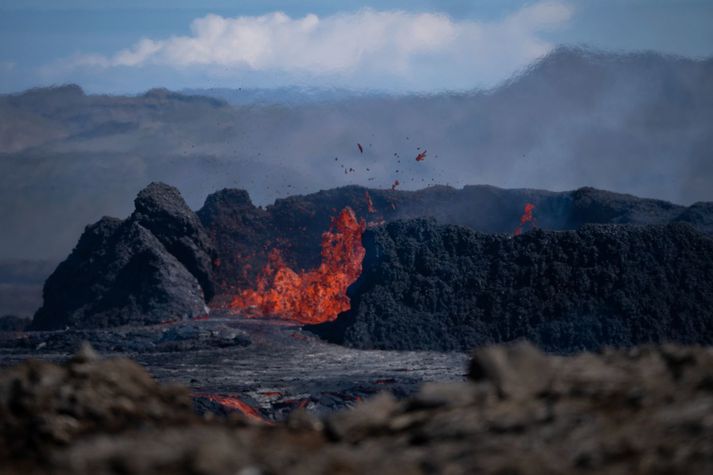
635	123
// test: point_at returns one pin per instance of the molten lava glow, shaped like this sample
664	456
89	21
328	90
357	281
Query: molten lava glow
525	218
369	203
314	296
235	404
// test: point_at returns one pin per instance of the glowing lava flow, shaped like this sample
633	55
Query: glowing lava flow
235	404
369	203
314	296
525	218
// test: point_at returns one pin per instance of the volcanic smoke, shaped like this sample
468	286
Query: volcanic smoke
314	296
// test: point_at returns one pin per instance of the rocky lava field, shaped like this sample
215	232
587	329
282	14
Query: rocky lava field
645	410
270	366
282	325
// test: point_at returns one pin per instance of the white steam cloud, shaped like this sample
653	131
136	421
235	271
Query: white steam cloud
366	48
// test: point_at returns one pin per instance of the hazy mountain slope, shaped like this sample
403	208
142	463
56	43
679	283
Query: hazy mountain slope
639	123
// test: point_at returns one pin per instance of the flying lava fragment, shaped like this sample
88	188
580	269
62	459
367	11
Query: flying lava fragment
525	218
421	156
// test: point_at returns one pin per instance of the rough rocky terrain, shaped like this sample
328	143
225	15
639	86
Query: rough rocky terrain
164	263
153	267
244	234
645	410
271	365
426	286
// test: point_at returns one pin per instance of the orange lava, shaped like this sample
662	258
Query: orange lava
314	296
235	404
525	218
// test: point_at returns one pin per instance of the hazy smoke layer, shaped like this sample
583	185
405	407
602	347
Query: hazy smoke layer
641	124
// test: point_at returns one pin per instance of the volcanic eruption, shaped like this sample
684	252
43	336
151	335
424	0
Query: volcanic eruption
525	218
314	296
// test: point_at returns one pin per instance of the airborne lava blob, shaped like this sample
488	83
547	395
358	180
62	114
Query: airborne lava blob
314	296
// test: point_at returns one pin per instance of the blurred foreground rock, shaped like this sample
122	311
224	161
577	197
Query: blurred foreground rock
646	410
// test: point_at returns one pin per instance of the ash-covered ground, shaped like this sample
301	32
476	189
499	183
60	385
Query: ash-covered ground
270	365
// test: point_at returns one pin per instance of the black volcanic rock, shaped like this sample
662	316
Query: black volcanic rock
161	209
239	231
590	205
125	278
244	234
434	287
699	215
13	323
144	270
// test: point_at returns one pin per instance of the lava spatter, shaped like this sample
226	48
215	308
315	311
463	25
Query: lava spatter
525	218
313	296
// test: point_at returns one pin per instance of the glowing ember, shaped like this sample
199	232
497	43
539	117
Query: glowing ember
369	203
421	156
525	218
314	296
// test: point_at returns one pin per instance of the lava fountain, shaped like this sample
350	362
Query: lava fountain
314	296
525	218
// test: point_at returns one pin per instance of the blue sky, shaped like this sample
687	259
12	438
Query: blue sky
361	45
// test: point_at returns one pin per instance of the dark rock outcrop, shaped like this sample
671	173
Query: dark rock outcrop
161	209
241	232
13	323
144	270
426	286
244	234
645	410
699	215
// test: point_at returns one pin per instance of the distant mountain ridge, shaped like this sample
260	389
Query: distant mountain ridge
295	95
636	123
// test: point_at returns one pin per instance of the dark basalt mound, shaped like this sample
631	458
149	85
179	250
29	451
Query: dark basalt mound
121	273
647	410
434	287
161	209
244	234
240	232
